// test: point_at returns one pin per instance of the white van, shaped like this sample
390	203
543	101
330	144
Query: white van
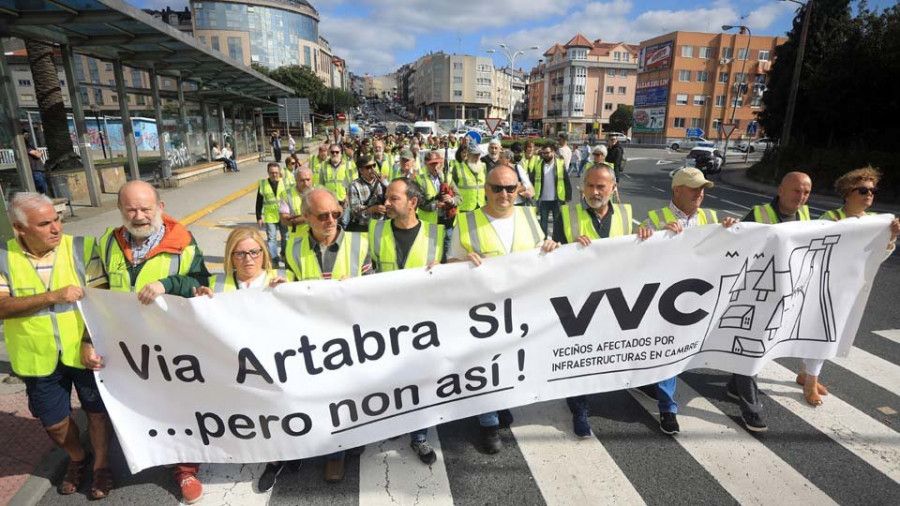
425	128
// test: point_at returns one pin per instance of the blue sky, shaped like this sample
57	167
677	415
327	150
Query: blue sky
377	36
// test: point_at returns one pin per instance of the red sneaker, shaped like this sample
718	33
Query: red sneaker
191	488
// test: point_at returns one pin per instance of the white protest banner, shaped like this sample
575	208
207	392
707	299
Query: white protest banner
308	368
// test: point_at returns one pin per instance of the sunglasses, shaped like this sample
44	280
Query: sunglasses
335	152
369	166
253	253
497	188
863	190
598	154
335	215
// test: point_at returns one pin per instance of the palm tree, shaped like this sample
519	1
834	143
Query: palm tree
50	103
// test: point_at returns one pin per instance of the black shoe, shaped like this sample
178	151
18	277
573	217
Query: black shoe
490	439
581	426
294	465
269	476
648	391
731	389
754	422
506	418
424	451
668	423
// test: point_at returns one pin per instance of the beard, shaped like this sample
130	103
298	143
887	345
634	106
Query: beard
597	204
142	230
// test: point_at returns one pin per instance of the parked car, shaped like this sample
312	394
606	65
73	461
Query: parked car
690	142
707	159
620	136
379	130
761	144
402	128
530	132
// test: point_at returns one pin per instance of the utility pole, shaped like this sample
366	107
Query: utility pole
795	79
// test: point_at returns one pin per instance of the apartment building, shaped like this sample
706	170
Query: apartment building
582	82
454	86
694	80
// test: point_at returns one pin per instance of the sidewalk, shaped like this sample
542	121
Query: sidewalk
29	462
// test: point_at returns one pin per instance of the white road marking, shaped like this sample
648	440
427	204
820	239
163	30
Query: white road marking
544	436
658	189
735	204
745	467
733	213
390	473
871	368
868	439
892	334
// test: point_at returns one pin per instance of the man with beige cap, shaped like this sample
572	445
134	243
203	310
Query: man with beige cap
684	211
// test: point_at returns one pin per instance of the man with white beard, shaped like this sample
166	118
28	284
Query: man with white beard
151	254
595	217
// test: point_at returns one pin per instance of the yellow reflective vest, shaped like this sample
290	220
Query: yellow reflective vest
351	257
384	168
430	195
294	201
36	342
577	221
155	268
766	214
476	234
837	215
470	184
560	179
337	179
428	246
271	199
661	217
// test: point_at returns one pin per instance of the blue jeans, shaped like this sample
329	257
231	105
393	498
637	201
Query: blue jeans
448	234
272	231
230	164
545	209
665	395
419	435
491	419
40	181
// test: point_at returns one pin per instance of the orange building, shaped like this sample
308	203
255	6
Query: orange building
691	80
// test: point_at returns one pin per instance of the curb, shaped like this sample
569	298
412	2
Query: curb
53	465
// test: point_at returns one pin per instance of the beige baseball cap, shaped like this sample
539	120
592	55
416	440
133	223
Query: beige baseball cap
690	177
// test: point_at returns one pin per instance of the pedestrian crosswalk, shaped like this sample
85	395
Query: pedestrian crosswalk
831	454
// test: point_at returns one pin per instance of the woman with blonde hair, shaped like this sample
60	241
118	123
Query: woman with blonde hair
857	188
291	164
248	265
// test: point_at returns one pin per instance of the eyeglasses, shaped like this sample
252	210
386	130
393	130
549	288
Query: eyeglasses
253	253
865	190
335	215
497	188
335	152
369	166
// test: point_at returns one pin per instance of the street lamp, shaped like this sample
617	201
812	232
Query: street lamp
795	78
740	87
511	56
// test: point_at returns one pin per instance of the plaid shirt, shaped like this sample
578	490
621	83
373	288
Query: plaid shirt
361	197
139	252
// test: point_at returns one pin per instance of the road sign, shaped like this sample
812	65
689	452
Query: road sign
694	132
492	123
752	128
475	136
727	129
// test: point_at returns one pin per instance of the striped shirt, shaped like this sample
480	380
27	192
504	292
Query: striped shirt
138	252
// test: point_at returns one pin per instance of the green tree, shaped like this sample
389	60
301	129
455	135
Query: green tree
622	119
302	80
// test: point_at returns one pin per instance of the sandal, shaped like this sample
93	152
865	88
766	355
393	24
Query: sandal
102	483
820	388
72	480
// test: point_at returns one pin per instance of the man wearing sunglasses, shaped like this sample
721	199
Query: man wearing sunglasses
366	196
498	228
336	175
292	201
551	186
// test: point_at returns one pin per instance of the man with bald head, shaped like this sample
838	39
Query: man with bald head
151	254
789	204
43	272
291	202
498	228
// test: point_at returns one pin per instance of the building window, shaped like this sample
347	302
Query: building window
610	89
716	124
457	93
577	54
483	68
114	98
62	82
611	72
681	99
696	122
687	51
215	43
109	67
26	98
763	55
742	53
607	106
457	79
705	52
457	65
307	56
756	102
720	100
623	73
617	56
482	94
679	123
737	101
727	53
723	77
699	100
167	83
24	82
141	99
684	75
481	81
702	76
737	124
622	90
740	78
235	48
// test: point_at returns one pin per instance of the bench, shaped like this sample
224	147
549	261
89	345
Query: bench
185	175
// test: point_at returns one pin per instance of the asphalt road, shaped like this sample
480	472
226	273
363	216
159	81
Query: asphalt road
845	452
